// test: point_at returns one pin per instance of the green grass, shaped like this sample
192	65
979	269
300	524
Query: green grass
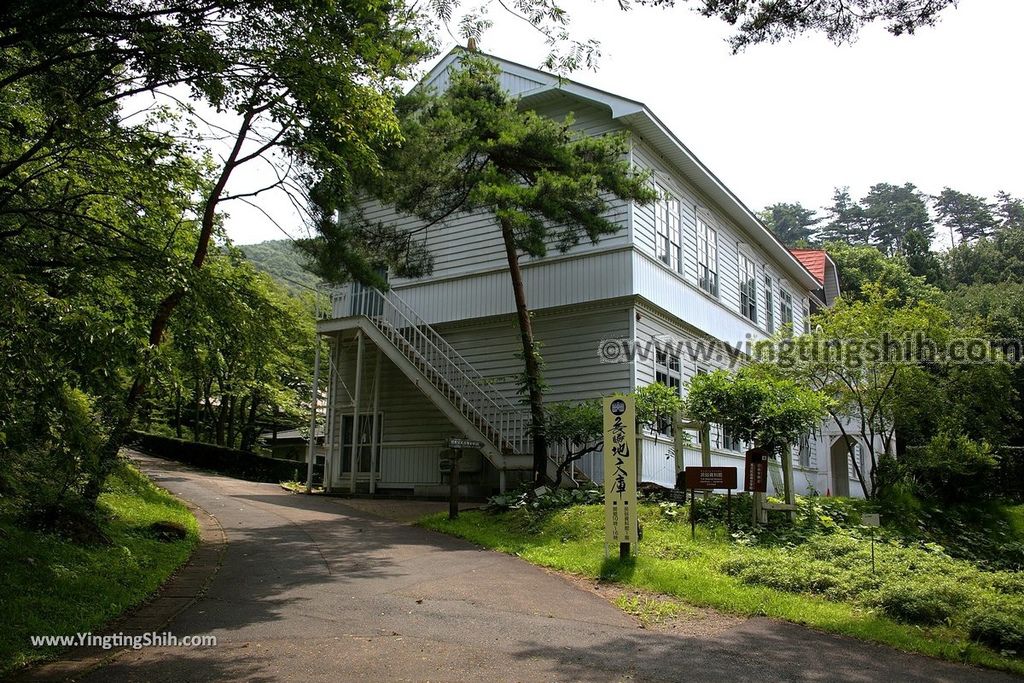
713	571
52	586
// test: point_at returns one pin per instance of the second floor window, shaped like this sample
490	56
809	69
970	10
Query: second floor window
730	441
769	305
748	288
707	257
666	219
807	319
785	308
667	371
804	453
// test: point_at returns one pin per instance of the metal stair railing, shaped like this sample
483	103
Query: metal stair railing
502	421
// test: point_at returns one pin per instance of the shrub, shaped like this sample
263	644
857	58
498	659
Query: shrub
998	628
220	459
772	569
526	497
953	468
931	601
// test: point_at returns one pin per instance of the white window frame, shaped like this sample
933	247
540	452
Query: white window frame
728	441
769	303
804	451
748	286
668	370
785	307
668	228
806	311
707	254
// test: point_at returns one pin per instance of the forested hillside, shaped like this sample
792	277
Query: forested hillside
283	262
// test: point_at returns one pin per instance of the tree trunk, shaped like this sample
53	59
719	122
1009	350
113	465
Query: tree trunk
531	360
208	417
177	411
232	423
122	424
222	418
197	426
249	431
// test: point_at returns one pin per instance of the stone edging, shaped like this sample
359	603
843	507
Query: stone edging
177	594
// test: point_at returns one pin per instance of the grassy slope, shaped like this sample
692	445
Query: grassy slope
670	562
52	586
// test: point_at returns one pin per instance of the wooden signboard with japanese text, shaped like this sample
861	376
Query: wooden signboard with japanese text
755	476
620	475
710	478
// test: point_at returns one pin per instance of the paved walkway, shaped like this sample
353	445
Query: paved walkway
312	589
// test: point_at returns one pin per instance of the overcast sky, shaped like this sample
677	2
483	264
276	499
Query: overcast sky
789	122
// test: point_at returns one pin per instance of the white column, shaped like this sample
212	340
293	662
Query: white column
311	455
355	408
375	433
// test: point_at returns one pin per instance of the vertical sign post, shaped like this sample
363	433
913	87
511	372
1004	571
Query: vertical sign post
620	524
453	485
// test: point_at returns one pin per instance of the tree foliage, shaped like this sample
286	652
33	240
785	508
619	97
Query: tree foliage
839	20
111	203
792	223
756	404
967	215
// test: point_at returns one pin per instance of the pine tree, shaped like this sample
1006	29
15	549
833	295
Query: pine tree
471	149
968	215
792	223
844	220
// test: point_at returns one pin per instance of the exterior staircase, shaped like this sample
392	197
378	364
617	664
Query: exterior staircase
470	400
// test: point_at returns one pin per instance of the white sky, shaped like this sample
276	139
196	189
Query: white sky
789	122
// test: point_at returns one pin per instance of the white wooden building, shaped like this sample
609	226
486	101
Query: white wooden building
437	357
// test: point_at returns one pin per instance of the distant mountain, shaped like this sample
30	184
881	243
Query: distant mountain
283	262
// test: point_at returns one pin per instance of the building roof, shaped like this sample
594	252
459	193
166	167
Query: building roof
813	260
536	86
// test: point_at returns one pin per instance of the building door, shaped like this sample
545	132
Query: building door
840	468
363	455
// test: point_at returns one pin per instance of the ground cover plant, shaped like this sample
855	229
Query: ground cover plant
53	584
817	571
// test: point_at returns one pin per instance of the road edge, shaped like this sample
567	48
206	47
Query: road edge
179	592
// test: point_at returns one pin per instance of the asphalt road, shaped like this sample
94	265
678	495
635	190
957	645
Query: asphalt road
311	589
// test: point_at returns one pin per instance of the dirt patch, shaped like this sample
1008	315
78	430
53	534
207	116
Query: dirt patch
659	612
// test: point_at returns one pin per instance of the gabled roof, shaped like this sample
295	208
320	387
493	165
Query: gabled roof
535	86
813	260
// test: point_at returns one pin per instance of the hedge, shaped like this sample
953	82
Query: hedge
227	461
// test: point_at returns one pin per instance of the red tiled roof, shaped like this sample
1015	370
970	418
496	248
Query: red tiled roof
813	260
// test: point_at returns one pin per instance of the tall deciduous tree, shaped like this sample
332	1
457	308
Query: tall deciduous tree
472	148
791	223
860	267
857	355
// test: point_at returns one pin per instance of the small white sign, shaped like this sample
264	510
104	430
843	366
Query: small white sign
871	519
457	443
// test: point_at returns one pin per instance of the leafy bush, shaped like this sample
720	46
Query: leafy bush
59	444
774	570
527	497
933	601
998	628
953	468
220	459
